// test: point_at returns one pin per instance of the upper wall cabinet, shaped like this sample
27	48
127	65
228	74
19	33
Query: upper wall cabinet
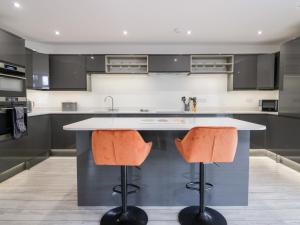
212	64
37	70
40	71
245	72
95	63
28	66
68	72
126	64
12	48
267	71
169	63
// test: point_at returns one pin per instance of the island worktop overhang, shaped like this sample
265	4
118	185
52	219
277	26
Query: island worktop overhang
157	123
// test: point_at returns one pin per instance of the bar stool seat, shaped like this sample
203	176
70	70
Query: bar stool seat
121	148
206	145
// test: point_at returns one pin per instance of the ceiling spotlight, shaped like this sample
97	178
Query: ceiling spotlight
259	32
189	32
57	33
17	4
125	32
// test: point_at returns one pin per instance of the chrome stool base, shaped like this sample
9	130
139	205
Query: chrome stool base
133	216
191	216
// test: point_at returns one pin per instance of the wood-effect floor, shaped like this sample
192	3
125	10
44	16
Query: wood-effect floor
46	195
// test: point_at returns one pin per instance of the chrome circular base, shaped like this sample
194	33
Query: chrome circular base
133	216
190	216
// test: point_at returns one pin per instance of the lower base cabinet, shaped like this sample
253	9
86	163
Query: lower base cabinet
61	139
258	139
29	149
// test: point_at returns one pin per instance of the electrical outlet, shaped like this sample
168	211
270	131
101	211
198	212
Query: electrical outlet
202	100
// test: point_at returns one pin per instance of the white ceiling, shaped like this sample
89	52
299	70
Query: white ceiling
153	21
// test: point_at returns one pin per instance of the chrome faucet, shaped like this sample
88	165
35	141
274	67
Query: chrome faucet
112	102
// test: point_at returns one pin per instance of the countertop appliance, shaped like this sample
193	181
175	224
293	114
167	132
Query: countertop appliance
269	105
6	105
12	80
69	106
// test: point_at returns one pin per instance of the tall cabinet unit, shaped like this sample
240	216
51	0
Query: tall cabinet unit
289	94
12	48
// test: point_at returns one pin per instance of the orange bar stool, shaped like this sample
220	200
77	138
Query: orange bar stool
206	145
121	148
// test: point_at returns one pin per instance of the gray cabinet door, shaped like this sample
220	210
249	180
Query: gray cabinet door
283	133
289	95
67	72
40	69
169	63
62	139
258	139
245	72
12	48
266	71
95	63
33	146
29	79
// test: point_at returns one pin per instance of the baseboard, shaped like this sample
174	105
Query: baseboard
278	158
23	166
12	171
63	152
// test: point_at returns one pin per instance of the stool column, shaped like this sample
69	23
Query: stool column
201	188
124	188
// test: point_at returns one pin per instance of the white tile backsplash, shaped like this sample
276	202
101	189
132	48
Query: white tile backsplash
154	91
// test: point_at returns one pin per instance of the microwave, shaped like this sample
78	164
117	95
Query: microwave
269	105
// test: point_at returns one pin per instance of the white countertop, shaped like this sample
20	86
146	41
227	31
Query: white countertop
46	111
165	123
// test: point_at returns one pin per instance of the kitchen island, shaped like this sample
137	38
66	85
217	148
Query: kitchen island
162	177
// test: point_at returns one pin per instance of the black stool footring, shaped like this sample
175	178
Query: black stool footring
133	216
191	216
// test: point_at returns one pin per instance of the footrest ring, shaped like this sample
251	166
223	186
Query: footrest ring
134	189
195	186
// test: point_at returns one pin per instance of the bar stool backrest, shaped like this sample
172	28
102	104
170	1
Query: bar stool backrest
119	147
209	144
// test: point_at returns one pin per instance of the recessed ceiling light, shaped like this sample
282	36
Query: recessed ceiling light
259	32
189	32
17	4
125	32
57	32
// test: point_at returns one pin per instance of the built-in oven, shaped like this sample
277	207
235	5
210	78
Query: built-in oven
12	80
7	104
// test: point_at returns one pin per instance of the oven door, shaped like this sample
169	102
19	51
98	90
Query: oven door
5	124
12	86
6	127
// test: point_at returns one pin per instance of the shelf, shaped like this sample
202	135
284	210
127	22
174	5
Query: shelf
123	64
212	64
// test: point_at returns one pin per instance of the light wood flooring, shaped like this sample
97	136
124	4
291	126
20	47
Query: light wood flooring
46	195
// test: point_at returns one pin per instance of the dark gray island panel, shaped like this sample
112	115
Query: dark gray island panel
162	177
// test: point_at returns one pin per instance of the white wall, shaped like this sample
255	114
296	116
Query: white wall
163	92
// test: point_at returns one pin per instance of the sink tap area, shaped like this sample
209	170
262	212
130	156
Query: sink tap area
111	109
